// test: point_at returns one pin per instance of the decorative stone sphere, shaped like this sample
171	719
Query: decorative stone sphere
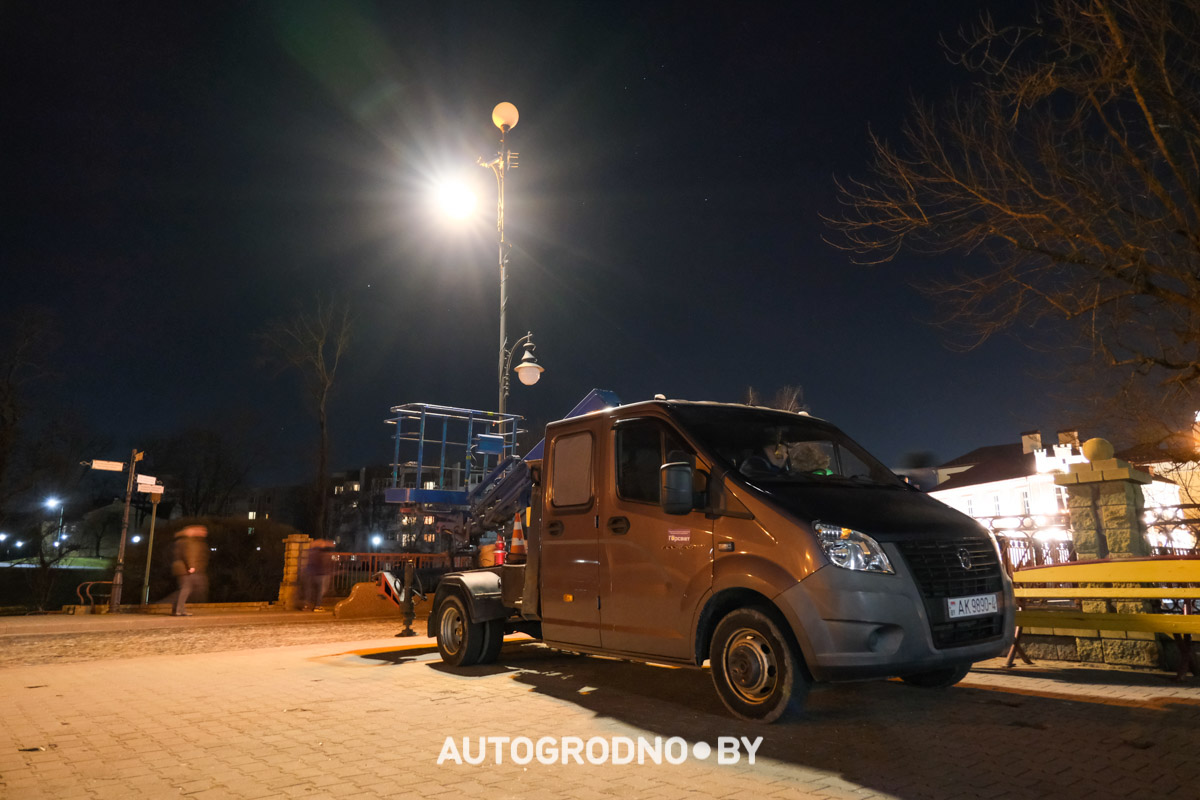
1097	449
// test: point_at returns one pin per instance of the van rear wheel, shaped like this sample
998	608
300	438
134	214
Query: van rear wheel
937	678
754	669
460	641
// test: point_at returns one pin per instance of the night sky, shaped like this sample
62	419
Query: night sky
176	174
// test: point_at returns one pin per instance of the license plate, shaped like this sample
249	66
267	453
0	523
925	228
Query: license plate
975	606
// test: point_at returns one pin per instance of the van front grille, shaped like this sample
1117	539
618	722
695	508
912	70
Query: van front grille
937	566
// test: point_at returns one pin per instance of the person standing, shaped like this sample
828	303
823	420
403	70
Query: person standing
189	566
318	571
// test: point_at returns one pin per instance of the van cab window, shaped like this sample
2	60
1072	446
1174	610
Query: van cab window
572	478
769	446
641	449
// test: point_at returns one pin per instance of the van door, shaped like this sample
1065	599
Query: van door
569	550
655	568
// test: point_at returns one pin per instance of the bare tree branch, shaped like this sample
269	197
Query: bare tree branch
313	343
1068	180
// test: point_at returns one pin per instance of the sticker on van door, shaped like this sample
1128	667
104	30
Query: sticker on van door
679	536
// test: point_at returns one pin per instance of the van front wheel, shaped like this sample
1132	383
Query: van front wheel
754	669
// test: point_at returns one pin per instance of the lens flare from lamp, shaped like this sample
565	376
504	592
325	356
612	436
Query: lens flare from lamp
456	200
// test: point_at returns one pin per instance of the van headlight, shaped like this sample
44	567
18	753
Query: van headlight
850	549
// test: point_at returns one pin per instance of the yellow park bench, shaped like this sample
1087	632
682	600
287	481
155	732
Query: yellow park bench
1048	597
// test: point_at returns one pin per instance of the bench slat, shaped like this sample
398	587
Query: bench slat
1148	623
1102	593
1149	570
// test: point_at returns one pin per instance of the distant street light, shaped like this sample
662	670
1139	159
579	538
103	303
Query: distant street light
376	540
136	540
54	502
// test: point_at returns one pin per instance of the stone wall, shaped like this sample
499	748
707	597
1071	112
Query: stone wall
294	549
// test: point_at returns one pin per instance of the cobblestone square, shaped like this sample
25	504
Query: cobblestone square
348	710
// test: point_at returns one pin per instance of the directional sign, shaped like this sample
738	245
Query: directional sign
149	488
146	479
108	466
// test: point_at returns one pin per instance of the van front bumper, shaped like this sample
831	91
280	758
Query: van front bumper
856	625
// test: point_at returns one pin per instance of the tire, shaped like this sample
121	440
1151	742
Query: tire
493	638
755	671
459	640
937	678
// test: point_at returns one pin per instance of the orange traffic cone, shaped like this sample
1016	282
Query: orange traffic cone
516	553
499	553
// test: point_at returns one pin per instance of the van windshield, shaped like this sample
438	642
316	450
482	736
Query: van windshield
777	447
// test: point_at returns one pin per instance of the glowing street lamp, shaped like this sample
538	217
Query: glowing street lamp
456	200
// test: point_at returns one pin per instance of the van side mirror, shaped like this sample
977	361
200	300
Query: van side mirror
675	487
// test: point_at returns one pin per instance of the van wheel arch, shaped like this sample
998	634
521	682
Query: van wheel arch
727	601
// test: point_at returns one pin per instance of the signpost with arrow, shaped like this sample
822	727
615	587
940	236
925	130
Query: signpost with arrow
145	483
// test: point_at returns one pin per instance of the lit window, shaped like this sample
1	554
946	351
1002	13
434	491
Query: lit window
252	514
355	489
338	489
1025	501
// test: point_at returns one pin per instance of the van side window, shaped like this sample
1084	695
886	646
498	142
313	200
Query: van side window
572	477
642	446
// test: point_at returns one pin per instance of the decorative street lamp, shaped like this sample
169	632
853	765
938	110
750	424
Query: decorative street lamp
528	371
505	118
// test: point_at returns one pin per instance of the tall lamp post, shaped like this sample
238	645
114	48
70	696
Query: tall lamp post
53	502
505	118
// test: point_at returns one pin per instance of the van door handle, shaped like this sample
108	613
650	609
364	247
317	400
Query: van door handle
618	525
554	528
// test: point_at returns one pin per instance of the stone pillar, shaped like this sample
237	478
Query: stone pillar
294	548
1104	497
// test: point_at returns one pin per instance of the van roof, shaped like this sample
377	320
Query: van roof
671	403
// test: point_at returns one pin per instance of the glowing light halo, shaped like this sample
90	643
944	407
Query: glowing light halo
455	199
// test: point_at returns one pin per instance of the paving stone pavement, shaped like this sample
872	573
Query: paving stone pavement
251	712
